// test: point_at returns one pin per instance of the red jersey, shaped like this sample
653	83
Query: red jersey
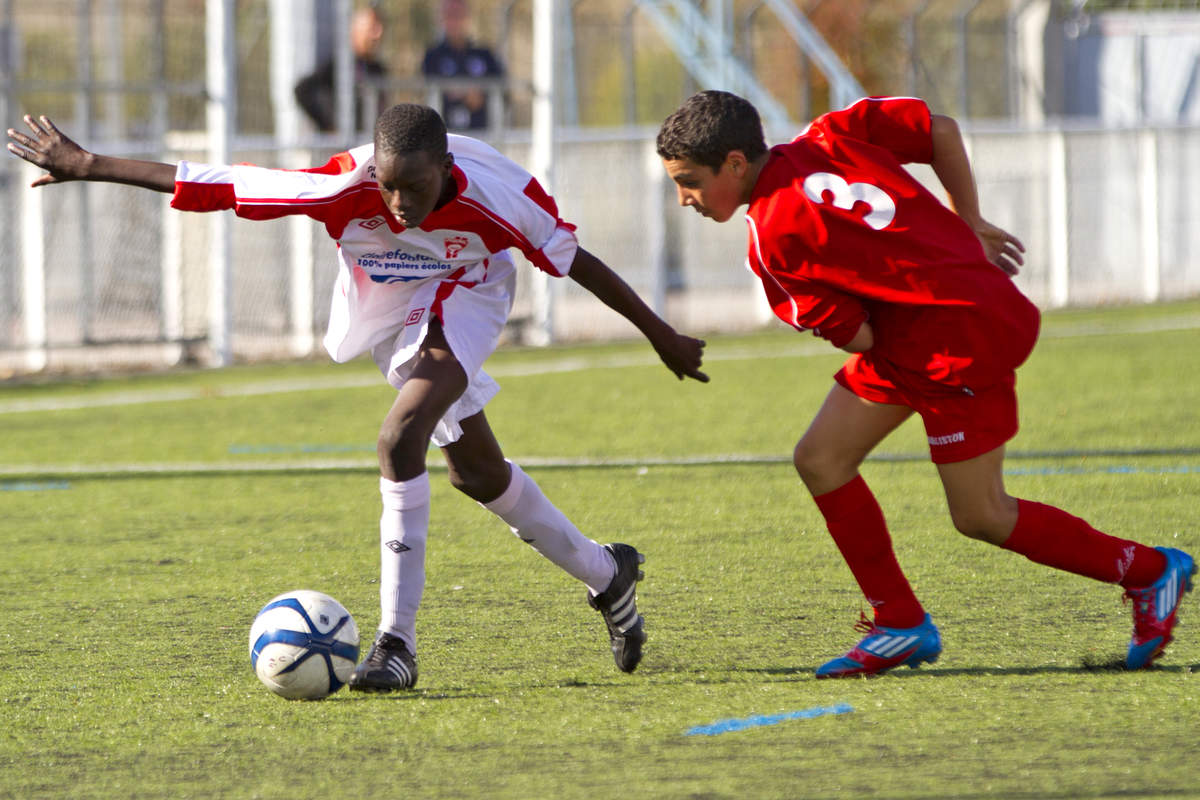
841	233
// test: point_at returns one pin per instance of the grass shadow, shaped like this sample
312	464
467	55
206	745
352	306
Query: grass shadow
407	695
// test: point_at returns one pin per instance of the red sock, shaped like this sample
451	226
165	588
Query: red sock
1052	537
858	528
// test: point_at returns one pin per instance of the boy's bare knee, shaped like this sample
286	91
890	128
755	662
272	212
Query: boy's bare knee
402	445
806	459
820	469
393	437
481	482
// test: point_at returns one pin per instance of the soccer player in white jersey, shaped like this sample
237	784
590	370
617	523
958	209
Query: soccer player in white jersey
423	223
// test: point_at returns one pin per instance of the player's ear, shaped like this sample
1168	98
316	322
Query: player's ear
736	161
448	161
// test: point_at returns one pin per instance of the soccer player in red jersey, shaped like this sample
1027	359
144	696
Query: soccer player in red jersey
850	246
423	223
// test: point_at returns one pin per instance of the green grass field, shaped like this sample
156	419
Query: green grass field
146	519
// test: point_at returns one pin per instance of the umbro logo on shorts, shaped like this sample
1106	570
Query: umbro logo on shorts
396	546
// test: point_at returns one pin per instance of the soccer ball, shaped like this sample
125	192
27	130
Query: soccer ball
303	645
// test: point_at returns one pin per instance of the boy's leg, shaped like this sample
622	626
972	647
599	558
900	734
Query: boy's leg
982	509
435	383
827	458
478	469
1155	578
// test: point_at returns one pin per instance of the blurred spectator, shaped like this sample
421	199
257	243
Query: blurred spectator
457	56
316	92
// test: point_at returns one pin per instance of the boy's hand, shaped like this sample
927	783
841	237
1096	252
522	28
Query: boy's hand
682	355
1001	247
49	149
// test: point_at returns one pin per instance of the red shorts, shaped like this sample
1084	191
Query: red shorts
961	423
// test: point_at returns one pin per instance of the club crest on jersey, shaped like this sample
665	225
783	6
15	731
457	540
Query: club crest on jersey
371	224
455	245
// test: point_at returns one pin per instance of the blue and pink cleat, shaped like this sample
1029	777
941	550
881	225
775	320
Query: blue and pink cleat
1155	606
884	648
1154	617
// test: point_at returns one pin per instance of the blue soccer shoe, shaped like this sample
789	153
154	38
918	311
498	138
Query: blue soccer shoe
1155	607
884	648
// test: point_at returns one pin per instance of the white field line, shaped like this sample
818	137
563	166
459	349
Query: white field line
366	464
802	348
548	367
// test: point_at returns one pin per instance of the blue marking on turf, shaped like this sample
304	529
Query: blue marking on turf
759	720
32	486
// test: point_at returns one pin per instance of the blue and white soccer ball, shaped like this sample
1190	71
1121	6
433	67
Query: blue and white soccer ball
303	645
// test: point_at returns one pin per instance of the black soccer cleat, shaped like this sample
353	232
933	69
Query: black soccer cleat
388	667
618	604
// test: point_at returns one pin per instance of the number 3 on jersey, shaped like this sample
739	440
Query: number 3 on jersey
845	195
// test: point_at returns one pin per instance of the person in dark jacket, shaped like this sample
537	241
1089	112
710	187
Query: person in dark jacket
316	93
458	56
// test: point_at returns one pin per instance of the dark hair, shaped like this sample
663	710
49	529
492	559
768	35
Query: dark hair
708	126
411	128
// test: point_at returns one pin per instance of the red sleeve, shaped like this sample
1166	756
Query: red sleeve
335	191
828	313
202	187
901	125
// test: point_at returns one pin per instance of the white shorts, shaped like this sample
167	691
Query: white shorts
473	317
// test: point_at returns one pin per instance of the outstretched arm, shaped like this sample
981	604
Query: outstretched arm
65	161
953	168
682	354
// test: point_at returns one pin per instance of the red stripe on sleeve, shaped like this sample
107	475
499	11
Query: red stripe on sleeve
203	196
539	260
339	164
535	192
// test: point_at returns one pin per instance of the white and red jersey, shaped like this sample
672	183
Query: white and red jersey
841	232
389	276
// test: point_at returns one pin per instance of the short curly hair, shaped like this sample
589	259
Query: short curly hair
708	126
411	128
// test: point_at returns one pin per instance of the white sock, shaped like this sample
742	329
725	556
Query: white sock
536	521
403	528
